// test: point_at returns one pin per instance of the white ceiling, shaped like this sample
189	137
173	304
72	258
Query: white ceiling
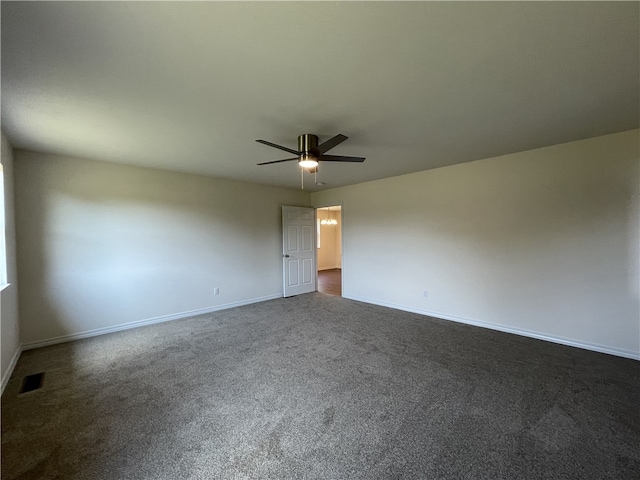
190	86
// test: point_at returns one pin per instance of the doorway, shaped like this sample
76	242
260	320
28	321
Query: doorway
329	246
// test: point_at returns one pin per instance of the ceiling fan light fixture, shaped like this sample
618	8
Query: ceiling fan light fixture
308	161
310	153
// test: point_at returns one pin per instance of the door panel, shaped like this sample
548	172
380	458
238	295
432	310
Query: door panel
307	238
307	271
299	255
293	235
293	265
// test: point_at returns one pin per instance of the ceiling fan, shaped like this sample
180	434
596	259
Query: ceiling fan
309	153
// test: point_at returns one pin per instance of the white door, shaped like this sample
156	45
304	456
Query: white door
298	250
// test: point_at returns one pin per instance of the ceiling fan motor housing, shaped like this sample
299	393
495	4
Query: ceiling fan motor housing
307	142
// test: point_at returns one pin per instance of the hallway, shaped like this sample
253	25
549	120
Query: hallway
330	281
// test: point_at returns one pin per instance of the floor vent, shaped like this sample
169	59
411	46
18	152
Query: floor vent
32	382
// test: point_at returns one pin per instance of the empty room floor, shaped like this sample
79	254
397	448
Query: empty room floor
320	387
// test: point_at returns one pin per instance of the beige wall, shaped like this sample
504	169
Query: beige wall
10	330
329	253
543	242
103	245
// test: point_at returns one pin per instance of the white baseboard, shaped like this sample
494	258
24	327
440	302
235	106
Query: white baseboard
177	316
12	365
620	352
141	323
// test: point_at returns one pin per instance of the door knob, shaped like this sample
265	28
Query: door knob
286	255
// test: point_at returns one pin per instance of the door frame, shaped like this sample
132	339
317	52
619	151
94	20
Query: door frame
325	205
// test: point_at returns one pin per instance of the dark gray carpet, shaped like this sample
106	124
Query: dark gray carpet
318	386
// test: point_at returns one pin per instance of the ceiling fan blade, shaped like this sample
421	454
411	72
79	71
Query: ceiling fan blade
332	142
290	150
278	161
340	158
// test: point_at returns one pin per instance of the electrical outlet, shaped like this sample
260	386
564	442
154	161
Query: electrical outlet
216	291
425	294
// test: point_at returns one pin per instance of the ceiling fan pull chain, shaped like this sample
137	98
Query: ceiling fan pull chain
302	178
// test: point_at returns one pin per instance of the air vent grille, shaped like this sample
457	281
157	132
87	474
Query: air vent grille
32	382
